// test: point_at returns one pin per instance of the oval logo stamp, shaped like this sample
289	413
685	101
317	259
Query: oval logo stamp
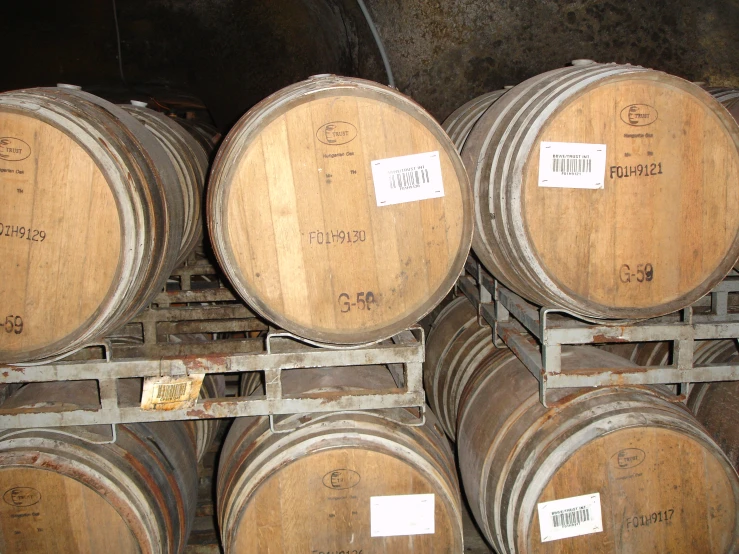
628	458
340	479
13	149
336	133
20	497
639	115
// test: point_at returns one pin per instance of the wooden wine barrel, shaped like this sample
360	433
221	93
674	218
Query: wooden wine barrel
729	97
92	220
456	345
637	218
663	485
311	490
207	136
71	489
204	431
324	226
459	124
716	405
190	161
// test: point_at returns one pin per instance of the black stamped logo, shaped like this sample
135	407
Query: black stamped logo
13	149
639	115
340	479
20	497
628	458
336	133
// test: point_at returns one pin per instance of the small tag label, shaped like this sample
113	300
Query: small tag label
409	514
572	165
171	393
407	178
570	517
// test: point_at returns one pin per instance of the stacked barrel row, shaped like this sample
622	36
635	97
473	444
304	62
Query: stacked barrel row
311	217
628	467
299	225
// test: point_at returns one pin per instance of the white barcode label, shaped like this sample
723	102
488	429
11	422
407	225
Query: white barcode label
171	393
570	517
406	514
407	178
572	165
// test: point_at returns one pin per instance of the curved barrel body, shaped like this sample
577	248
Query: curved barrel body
312	488
340	210
605	189
92	219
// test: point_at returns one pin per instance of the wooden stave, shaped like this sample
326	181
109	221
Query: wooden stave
456	345
251	452
190	160
461	121
714	404
501	481
256	119
503	246
729	99
148	474
149	213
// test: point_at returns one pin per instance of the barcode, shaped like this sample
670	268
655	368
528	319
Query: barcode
570	517
409	178
170	392
572	165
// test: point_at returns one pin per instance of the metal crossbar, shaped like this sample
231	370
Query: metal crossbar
146	348
536	335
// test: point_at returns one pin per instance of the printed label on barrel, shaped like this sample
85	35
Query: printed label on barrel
171	393
570	517
21	497
13	149
401	515
336	133
407	178
572	165
628	458
639	115
341	479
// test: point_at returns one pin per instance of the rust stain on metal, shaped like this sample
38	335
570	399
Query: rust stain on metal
201	364
611	370
199	414
606	338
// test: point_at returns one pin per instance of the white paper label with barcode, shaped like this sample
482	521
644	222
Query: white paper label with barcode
405	514
570	517
407	178
573	165
171	393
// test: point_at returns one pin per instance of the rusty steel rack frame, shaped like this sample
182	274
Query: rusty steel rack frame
536	335
209	311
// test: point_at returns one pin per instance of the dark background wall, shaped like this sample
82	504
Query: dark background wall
232	53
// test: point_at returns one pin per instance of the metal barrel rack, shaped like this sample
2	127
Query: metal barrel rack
536	335
230	339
